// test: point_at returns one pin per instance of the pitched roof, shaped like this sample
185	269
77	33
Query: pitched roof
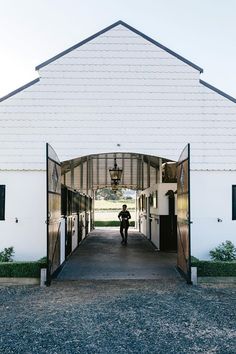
213	88
19	89
103	31
109	28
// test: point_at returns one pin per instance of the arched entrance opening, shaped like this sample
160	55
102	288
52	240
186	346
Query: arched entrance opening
157	182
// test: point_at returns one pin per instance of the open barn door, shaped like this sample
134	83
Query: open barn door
183	214
53	211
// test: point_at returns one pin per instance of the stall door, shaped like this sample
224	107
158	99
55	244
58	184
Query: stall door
183	214
53	211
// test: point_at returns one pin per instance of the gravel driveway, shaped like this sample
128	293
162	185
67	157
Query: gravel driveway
132	316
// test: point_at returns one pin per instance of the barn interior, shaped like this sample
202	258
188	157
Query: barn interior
154	180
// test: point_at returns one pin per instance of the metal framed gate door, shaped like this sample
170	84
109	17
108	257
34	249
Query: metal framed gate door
183	214
53	211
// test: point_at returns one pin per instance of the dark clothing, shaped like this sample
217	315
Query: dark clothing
124	217
124	237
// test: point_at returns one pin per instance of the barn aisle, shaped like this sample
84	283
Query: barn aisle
101	256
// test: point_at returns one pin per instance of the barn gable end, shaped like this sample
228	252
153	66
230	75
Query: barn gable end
118	91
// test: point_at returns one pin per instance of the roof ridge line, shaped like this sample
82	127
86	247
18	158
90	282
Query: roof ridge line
77	45
213	88
162	46
21	88
120	22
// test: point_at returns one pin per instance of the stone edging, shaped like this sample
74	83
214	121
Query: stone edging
217	280
19	281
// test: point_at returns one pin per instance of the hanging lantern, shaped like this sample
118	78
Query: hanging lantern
115	174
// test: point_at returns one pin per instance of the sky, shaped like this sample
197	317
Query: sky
202	31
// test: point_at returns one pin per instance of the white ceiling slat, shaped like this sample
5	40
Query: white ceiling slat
92	172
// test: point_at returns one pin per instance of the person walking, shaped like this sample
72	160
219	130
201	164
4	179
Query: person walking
124	216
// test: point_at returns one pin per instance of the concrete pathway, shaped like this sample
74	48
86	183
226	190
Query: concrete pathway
101	256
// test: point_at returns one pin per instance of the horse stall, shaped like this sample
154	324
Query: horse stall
75	219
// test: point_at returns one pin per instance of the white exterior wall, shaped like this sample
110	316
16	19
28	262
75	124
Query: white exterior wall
116	93
211	198
118	89
26	201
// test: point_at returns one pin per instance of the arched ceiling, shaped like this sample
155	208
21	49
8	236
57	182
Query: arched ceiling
89	173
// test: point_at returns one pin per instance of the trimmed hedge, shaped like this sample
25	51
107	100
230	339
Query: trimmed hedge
117	208
111	223
215	269
21	269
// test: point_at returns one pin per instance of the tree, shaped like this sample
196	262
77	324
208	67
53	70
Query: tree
226	251
109	194
7	255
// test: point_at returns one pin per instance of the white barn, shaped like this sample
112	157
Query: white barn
117	94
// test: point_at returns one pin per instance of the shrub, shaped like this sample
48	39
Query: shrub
225	252
110	223
21	269
7	255
43	260
215	269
